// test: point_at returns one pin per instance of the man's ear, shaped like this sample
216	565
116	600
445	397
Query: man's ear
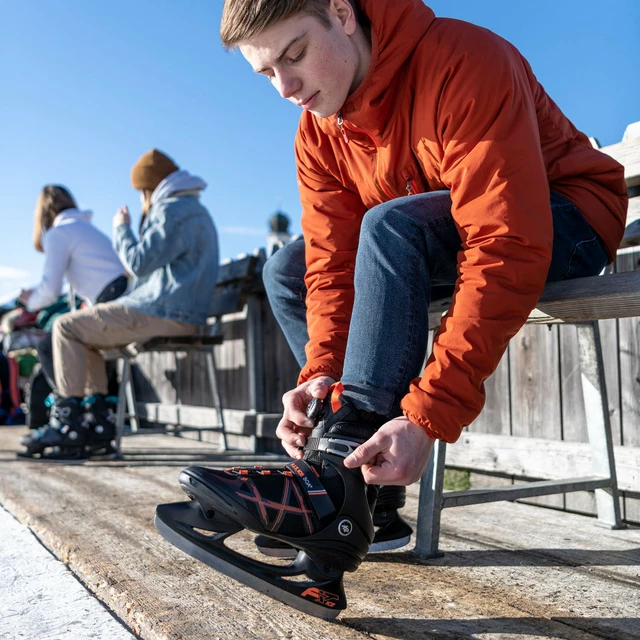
343	11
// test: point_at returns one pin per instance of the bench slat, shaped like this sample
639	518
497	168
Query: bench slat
180	343
237	270
615	295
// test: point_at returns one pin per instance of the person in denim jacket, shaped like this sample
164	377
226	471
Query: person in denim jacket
174	265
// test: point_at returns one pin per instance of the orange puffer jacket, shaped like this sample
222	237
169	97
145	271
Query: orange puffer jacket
446	105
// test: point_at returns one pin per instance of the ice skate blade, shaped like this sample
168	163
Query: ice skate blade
288	553
256	574
104	454
376	547
389	545
46	460
56	459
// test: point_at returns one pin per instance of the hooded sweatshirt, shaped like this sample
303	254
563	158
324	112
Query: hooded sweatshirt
175	260
76	250
446	105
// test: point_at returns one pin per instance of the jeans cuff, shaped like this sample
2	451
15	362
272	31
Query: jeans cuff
372	399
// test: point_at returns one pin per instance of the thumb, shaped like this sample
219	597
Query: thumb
365	453
320	387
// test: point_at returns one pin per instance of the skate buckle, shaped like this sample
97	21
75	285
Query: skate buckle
346	447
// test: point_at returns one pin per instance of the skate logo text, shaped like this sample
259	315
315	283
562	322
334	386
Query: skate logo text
345	527
299	471
325	598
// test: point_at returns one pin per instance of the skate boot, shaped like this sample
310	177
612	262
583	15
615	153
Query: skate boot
316	505
64	438
392	532
101	421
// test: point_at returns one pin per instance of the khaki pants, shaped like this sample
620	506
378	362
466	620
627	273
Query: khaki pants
79	336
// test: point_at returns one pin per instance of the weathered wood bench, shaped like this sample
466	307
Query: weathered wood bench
582	302
236	280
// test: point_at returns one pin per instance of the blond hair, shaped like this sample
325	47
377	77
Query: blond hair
244	19
52	200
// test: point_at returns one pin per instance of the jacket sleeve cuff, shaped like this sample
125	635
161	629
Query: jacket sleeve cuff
443	422
315	370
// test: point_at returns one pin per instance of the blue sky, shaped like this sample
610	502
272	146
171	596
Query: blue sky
87	87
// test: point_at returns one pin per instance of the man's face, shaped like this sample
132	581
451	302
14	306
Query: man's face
313	66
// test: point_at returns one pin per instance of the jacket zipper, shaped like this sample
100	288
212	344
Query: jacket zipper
410	187
343	130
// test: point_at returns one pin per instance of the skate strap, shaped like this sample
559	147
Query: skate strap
337	446
312	486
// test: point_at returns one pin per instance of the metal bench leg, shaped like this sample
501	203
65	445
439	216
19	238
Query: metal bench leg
594	390
132	405
430	504
125	374
212	371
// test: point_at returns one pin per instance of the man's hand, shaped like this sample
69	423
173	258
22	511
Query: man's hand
122	217
24	296
295	427
397	454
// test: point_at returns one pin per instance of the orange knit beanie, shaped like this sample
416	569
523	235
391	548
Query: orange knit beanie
151	169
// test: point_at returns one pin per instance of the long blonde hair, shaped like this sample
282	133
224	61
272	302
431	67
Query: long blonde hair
52	200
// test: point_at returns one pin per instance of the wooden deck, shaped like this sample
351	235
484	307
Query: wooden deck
510	570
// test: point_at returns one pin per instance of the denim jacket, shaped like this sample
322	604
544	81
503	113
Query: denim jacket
175	261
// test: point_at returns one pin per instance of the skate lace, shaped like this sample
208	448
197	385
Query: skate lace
259	471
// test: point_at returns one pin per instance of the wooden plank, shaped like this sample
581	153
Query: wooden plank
573	409
627	153
237	270
539	458
629	349
280	365
633	212
236	421
584	299
228	300
535	389
594	298
496	414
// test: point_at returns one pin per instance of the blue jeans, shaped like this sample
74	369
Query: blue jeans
407	256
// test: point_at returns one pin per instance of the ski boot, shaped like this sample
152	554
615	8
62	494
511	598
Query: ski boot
64	438
392	531
101	422
315	504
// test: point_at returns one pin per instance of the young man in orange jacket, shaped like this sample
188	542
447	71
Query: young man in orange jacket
428	156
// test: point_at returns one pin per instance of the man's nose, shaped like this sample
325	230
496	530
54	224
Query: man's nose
287	85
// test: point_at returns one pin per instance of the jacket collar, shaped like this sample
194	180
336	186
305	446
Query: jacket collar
396	29
71	214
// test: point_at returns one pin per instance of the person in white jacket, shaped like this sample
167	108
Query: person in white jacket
74	250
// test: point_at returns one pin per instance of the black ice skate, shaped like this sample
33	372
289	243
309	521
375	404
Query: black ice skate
64	438
315	504
392	531
101	422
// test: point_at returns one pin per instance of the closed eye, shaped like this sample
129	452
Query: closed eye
298	57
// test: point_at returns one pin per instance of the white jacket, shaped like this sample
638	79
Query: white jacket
76	250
